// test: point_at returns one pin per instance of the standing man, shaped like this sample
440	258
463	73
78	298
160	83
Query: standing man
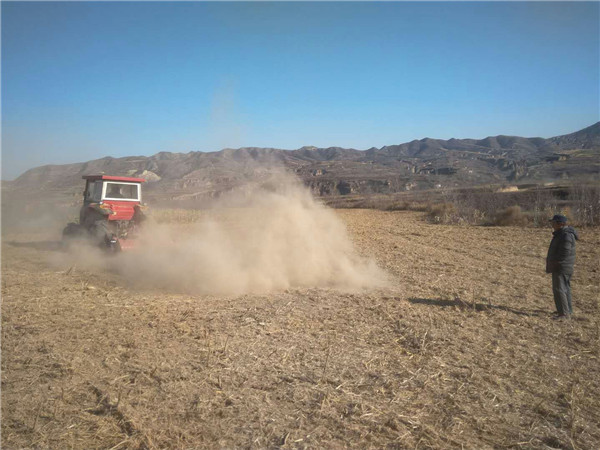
559	262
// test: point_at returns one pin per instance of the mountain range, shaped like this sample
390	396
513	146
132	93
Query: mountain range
189	178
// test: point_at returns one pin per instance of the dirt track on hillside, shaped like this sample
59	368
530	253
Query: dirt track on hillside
459	351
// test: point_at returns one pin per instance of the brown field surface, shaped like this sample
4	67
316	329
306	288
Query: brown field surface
458	351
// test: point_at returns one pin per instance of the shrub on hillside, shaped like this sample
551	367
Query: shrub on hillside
511	216
585	199
407	206
443	213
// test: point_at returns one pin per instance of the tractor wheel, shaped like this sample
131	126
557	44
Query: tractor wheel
107	238
72	232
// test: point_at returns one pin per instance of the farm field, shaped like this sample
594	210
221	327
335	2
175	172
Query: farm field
457	350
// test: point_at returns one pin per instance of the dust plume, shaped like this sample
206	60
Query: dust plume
264	237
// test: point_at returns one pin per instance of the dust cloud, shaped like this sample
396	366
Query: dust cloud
267	236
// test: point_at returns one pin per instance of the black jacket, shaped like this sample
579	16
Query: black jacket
561	254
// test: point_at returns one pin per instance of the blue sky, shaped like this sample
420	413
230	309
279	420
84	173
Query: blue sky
85	80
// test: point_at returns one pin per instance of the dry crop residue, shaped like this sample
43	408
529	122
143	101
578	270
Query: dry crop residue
458	351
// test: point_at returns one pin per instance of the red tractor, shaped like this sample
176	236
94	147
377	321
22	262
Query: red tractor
111	211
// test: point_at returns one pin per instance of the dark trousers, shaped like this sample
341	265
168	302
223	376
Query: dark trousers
561	288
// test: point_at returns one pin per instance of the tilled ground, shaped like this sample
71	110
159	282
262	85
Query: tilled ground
459	351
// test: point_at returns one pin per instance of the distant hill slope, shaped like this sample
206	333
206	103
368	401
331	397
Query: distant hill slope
587	138
419	164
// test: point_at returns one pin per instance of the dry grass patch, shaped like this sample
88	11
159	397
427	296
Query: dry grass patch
459	352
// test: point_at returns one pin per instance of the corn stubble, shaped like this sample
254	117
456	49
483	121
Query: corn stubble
456	350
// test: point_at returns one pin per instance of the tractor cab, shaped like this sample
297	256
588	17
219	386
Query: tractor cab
105	188
121	196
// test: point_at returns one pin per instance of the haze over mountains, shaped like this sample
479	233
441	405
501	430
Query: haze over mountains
419	164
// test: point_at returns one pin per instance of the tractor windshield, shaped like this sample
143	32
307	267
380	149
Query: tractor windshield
93	191
122	191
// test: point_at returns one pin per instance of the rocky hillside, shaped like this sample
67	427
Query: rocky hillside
587	138
191	177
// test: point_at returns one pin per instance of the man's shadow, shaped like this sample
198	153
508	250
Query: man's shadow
461	304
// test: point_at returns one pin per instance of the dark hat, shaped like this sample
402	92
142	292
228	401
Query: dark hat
558	218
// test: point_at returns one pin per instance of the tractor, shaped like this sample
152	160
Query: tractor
111	212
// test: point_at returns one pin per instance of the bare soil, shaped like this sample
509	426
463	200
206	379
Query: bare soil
460	351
